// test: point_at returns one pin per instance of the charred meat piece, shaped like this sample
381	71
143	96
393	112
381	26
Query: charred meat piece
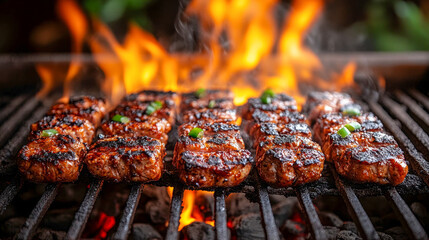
332	122
139	111
151	127
203	169
217	137
218	158
51	159
280	103
170	98
290	166
297	129
210	115
72	125
383	165
138	159
222	99
90	108
278	117
320	103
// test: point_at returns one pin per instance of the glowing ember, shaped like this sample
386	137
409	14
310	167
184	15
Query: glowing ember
100	228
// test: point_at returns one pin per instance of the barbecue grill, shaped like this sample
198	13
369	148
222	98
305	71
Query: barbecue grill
405	113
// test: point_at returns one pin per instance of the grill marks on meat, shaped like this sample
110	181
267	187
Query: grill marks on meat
285	154
127	159
219	158
134	151
58	158
366	155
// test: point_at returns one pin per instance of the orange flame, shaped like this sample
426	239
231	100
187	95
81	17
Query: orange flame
73	17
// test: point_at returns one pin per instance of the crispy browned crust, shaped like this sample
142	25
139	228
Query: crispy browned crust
224	99
90	108
210	115
265	129
226	168
169	97
151	127
137	110
257	111
51	159
138	159
77	127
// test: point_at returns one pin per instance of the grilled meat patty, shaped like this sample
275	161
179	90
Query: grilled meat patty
210	115
138	110
90	108
216	159
151	127
51	159
285	154
170	98
367	154
77	127
138	159
222	99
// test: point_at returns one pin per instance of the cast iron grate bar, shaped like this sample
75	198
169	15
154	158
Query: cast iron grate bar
39	211
12	106
270	227
316	229
9	151
9	194
175	211
82	215
418	163
421	138
129	211
417	112
16	119
405	215
424	100
355	209
220	215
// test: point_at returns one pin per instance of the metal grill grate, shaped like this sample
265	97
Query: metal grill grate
409	109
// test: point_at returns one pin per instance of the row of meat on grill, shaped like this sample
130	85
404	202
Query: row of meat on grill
210	150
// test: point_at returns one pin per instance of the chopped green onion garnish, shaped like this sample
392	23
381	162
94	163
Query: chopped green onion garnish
196	133
265	99
267	96
269	92
343	132
212	103
49	132
351	112
121	119
353	126
153	106
200	93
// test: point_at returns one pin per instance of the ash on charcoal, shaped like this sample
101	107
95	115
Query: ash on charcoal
157	204
144	232
12	226
198	230
48	234
396	233
284	210
157	212
331	232
330	219
347	235
292	228
249	226
349	226
237	204
384	236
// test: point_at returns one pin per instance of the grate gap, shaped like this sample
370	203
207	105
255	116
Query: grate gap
424	100
82	215
405	215
128	214
355	209
12	106
39	211
418	163
311	217
417	112
175	211
220	216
